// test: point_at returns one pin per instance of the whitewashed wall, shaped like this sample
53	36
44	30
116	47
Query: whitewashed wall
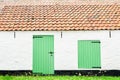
16	53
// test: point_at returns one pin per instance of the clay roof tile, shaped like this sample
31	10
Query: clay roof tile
60	17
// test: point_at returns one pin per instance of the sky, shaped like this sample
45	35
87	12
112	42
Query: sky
50	2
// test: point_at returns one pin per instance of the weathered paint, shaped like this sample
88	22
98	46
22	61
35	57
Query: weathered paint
66	51
43	57
89	54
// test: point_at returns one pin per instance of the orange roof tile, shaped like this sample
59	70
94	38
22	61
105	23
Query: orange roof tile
60	17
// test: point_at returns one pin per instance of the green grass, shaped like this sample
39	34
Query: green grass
58	78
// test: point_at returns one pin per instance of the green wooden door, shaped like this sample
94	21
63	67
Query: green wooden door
89	54
43	57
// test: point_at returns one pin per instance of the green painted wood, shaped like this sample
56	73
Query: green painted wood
89	54
43	56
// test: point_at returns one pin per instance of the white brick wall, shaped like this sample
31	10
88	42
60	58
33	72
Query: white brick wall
16	53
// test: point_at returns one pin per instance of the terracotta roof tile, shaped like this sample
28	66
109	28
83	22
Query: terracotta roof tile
60	17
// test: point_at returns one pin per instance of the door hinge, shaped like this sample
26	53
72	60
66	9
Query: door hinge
40	37
96	67
95	42
37	36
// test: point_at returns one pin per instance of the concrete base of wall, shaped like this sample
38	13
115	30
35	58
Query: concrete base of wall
64	72
15	72
89	72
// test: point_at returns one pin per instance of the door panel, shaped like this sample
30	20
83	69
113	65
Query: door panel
89	54
43	56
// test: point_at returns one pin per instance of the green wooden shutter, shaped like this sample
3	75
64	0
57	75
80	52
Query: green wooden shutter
43	57
89	54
